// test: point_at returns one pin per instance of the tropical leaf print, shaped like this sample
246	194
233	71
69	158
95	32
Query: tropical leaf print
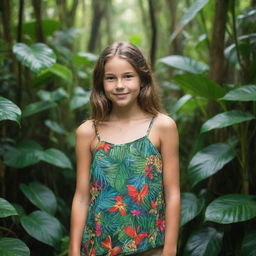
127	207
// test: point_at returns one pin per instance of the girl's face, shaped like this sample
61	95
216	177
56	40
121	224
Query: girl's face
121	82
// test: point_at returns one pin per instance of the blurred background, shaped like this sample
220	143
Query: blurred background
203	53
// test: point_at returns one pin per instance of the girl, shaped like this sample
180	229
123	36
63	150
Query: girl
127	198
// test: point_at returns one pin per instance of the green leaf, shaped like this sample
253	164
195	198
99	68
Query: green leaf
43	227
206	241
13	247
84	58
190	207
56	95
180	103
36	57
6	209
80	98
200	85
231	209
59	70
55	127
208	161
57	158
189	15
41	196
249	244
185	64
37	107
26	153
9	110
226	119
243	93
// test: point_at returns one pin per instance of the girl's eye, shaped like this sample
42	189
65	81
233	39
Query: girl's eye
109	78
128	76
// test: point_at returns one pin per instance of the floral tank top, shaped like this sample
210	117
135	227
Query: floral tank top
126	213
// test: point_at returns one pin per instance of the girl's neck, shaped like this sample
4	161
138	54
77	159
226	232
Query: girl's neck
126	113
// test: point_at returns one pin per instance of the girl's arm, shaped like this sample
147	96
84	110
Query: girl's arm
170	154
79	210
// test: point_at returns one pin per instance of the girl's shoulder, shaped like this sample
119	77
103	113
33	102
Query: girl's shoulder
86	129
164	122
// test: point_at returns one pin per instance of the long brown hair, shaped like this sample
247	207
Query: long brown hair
148	98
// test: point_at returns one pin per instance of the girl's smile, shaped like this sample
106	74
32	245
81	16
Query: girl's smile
121	82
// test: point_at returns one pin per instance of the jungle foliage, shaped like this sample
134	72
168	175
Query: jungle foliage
203	53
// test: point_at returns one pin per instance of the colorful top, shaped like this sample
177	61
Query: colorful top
127	209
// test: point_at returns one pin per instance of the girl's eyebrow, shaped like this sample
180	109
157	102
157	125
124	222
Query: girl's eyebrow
128	72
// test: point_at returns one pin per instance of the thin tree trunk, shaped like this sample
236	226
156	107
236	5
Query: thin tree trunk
145	20
217	60
72	13
152	11
39	28
6	21
108	17
98	10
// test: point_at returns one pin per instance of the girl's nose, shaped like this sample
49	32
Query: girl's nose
120	83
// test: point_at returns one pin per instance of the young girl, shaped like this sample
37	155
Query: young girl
127	198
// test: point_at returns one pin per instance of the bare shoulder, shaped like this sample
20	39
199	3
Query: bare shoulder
165	123
85	130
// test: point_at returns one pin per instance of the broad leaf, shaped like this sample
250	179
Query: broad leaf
13	247
36	57
43	227
26	153
56	157
37	107
6	209
231	209
249	244
80	98
206	241
54	126
208	161
56	95
226	119
243	93
84	58
200	85
181	102
9	110
185	64
190	207
41	196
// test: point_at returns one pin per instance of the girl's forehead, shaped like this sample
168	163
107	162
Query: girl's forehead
117	64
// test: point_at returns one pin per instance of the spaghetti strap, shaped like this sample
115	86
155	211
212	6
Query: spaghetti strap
150	125
96	130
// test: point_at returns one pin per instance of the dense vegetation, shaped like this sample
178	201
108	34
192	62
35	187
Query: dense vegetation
203	53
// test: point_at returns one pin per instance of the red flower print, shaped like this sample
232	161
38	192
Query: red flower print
130	231
105	146
154	207
108	245
149	172
160	224
98	230
118	206
136	195
135	212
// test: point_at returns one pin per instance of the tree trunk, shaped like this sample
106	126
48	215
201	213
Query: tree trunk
5	11
152	11
144	19
39	28
217	60
98	8
108	17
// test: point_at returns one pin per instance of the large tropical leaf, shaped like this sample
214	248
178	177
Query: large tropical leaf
185	64
9	110
6	209
206	241
43	227
181	102
26	153
35	57
56	157
41	196
226	119
80	98
231	209
189	15
55	95
249	244
54	126
208	161
200	85
13	247
84	58
243	93
190	207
